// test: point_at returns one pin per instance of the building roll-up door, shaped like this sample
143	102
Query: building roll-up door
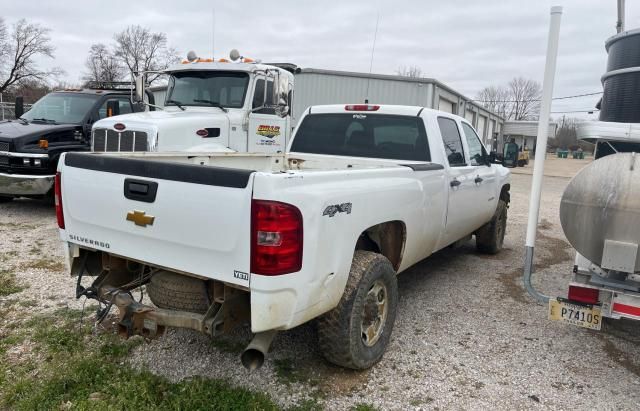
469	116
445	105
482	120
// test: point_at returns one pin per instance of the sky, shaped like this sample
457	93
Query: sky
467	45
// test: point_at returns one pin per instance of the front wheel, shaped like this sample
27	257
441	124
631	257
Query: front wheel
490	237
356	333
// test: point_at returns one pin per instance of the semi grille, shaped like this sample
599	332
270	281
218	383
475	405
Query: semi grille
4	146
4	161
111	140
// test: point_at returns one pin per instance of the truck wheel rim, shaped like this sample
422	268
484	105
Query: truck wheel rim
374	313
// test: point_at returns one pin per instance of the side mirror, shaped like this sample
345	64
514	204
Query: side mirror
493	158
139	96
282	109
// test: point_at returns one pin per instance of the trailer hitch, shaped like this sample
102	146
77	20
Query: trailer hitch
136	318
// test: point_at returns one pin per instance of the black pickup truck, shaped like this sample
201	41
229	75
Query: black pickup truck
59	122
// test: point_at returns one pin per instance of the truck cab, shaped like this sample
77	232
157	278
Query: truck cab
210	105
59	122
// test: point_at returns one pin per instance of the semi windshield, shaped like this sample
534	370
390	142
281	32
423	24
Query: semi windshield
61	108
207	88
363	135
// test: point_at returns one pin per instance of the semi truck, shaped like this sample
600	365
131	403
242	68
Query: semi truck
238	104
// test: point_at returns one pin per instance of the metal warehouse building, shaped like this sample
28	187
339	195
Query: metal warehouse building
316	86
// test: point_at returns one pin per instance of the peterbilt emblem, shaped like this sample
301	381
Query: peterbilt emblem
140	218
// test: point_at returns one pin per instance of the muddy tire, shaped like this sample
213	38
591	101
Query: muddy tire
356	333
490	237
178	292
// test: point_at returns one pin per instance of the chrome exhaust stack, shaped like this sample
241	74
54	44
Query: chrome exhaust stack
253	356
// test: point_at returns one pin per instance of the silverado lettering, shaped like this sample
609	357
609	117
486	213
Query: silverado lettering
88	241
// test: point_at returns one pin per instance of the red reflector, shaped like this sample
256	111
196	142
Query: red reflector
58	199
202	132
276	238
361	107
119	126
626	309
583	294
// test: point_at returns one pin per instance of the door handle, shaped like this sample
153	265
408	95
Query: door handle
454	183
140	190
478	180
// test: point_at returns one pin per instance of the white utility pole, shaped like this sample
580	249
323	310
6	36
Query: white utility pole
541	149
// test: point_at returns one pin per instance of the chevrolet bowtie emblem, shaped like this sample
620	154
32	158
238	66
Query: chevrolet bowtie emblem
140	218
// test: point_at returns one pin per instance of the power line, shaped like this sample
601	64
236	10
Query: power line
577	111
537	99
578	95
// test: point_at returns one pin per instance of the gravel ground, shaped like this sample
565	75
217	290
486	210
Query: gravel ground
466	336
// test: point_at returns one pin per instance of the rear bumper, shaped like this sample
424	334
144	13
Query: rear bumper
615	303
25	185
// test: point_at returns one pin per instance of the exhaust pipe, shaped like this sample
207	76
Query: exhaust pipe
253	356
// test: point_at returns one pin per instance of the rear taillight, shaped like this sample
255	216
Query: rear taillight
276	238
361	107
583	294
58	199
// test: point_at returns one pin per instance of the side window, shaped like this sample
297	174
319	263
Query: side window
452	141
258	97
124	107
476	150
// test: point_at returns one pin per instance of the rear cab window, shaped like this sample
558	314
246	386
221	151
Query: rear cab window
368	135
452	141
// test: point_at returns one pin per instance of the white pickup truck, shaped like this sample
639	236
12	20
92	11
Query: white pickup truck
275	240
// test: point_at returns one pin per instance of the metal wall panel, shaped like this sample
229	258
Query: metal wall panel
319	88
526	128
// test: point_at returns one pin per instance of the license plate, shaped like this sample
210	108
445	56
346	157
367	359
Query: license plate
580	315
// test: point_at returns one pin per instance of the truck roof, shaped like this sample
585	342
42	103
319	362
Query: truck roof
93	91
393	109
222	66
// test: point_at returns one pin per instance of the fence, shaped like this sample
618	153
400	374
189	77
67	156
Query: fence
8	110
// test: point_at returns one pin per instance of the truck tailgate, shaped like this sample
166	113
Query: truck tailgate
185	217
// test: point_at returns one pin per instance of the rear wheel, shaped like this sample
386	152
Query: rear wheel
178	292
356	333
521	163
490	237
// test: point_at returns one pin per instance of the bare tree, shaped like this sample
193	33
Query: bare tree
518	100
411	71
526	95
18	52
495	99
103	65
142	50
